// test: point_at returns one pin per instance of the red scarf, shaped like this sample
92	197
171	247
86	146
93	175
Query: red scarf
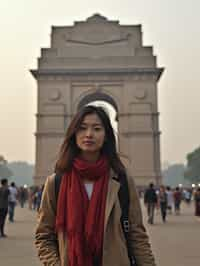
80	218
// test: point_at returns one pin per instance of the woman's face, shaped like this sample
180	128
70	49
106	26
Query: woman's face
91	134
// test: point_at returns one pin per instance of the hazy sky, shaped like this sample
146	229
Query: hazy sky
172	27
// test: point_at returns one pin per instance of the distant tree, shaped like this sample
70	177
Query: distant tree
5	172
22	173
192	171
174	175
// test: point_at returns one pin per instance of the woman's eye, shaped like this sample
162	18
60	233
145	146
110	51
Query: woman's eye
82	128
97	128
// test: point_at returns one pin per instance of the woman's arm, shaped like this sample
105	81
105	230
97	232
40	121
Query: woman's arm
46	240
139	240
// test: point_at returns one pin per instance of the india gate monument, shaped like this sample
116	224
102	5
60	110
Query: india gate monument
99	60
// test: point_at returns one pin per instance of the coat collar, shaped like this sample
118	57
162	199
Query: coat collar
112	195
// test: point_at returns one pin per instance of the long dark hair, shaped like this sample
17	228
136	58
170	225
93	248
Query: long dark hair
69	149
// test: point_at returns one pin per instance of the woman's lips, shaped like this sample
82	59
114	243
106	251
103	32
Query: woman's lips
87	142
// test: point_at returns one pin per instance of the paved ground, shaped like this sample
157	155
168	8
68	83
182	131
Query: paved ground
18	248
175	243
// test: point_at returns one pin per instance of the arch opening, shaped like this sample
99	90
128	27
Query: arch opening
98	96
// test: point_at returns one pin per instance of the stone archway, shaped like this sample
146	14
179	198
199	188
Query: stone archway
99	59
98	96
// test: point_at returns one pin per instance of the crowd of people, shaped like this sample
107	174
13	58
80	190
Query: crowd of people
169	200
164	198
11	195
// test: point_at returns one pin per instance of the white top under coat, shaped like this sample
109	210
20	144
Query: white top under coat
89	189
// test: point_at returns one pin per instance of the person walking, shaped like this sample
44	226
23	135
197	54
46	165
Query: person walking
4	193
35	198
30	197
187	196
177	200
12	200
82	225
150	201
197	202
39	197
162	199
22	196
170	199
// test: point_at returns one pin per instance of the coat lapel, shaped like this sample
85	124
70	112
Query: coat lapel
113	188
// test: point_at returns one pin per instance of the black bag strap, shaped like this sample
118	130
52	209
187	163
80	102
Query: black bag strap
124	200
57	185
124	204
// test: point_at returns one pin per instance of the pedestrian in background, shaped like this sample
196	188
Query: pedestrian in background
30	197
177	200
170	199
188	196
4	193
162	199
22	196
12	201
197	202
150	201
39	197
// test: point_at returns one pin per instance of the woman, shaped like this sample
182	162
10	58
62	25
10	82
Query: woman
84	228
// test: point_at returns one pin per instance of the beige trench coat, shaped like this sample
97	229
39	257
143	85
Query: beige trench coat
52	250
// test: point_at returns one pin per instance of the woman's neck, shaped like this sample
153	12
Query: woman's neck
90	156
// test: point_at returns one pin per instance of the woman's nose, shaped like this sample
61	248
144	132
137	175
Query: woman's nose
89	132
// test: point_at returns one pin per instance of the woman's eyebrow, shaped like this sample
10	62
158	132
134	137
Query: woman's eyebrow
88	123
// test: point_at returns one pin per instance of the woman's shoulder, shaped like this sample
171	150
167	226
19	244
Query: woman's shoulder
125	160
50	180
51	177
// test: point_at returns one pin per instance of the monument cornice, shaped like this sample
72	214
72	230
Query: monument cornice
140	133
42	114
138	114
50	134
90	71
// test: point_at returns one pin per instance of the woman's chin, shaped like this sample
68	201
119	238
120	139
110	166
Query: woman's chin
90	150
